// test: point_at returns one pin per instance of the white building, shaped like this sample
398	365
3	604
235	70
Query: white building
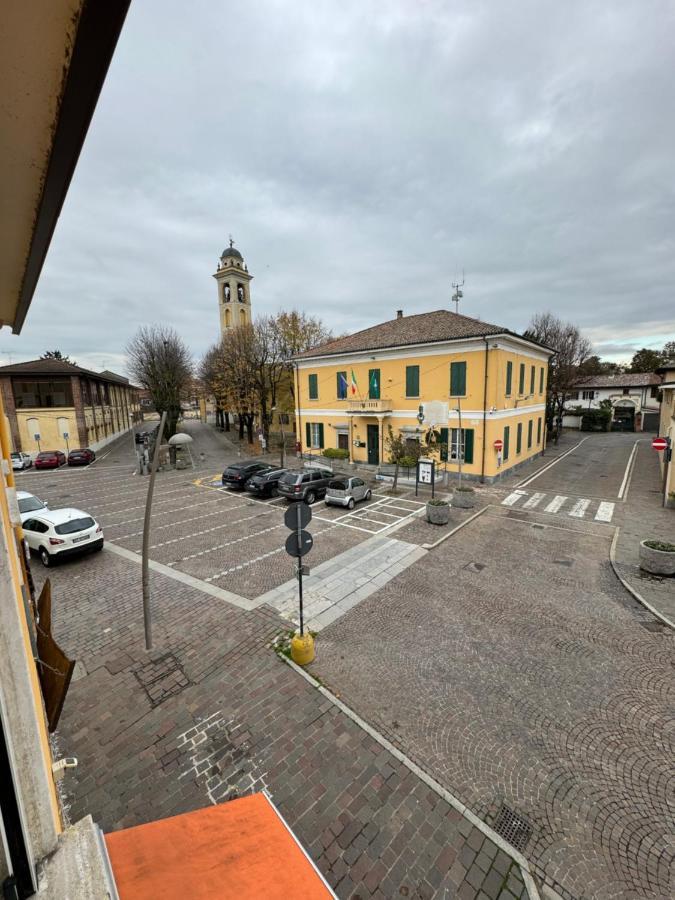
634	398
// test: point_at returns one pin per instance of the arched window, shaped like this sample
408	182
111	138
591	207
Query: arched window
226	292
33	429
228	318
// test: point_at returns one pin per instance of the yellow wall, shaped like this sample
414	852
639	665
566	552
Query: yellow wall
50	424
667	429
503	409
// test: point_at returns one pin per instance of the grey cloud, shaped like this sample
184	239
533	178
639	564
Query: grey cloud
362	154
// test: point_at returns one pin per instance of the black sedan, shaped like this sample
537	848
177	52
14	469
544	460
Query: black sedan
236	475
265	484
81	457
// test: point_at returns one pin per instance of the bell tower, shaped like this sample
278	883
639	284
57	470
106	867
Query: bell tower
234	297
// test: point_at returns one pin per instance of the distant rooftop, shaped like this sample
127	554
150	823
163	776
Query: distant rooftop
628	379
59	367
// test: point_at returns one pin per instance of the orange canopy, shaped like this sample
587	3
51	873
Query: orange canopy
241	849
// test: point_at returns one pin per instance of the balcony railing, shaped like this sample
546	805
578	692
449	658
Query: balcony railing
369	407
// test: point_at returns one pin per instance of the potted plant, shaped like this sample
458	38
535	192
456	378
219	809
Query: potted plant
657	557
463	497
438	512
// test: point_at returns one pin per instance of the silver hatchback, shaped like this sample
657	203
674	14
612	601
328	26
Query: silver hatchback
347	491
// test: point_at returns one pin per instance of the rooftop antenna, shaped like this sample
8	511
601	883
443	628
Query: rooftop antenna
457	296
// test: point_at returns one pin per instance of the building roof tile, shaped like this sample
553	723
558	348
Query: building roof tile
628	379
59	367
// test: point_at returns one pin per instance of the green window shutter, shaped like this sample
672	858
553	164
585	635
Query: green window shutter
521	379
444	444
412	381
308	435
321	435
538	431
507	437
468	445
458	379
509	378
532	380
313	381
541	380
519	437
529	434
373	384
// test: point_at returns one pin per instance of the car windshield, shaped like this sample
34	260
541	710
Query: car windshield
16	456
75	525
339	484
28	504
289	478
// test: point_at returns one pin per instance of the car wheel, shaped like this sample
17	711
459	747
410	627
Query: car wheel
45	558
310	498
350	505
369	494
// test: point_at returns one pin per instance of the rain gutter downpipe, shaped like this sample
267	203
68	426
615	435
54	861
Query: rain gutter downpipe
485	381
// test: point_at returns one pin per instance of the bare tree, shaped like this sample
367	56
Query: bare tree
571	350
159	360
211	373
299	332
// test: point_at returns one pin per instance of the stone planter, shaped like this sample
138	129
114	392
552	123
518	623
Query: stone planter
438	514
463	499
657	562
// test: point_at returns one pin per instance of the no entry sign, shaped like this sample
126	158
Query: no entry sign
660	443
498	444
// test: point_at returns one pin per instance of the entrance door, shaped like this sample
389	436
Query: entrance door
623	418
373	445
343	440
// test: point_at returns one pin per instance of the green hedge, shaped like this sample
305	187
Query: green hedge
335	453
596	420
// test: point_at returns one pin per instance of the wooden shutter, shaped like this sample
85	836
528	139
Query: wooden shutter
529	434
521	379
412	381
313	381
444	441
541	380
308	434
532	380
468	445
458	379
509	378
507	438
374	384
519	437
321	435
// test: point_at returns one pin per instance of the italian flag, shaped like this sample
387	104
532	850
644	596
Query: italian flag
353	387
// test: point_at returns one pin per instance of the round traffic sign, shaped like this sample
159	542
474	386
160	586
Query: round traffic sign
659	443
301	547
295	510
498	444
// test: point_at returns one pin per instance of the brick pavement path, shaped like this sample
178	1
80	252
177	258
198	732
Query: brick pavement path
211	713
512	666
646	518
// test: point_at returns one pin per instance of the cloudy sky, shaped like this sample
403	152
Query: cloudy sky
362	153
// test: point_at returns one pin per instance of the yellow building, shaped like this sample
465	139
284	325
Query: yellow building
667	430
52	404
420	374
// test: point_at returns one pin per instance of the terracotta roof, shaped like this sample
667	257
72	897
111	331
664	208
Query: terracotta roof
425	328
58	367
629	379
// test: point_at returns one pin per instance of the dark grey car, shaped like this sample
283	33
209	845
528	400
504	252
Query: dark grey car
309	485
265	484
236	475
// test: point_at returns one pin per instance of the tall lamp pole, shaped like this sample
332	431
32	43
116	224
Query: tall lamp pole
145	563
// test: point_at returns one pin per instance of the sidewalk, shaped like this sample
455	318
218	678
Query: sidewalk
645	519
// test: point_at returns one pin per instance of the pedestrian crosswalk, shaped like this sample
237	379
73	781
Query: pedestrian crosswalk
576	507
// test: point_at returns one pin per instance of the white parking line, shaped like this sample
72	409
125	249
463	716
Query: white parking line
534	500
579	509
216	512
605	512
513	498
555	504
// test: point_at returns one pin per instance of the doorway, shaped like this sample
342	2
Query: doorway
623	418
373	445
343	440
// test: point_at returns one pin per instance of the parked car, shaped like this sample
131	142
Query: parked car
236	475
21	461
347	491
50	459
29	503
265	484
58	533
141	436
309	485
81	457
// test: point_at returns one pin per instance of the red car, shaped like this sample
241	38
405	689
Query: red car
50	459
81	457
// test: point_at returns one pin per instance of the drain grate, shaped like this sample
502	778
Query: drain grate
513	828
162	678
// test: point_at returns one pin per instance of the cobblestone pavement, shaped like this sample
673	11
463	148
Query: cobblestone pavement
211	713
512	665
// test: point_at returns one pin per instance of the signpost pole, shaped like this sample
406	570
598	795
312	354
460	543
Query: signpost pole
145	566
299	525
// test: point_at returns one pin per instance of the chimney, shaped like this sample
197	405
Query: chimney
399	313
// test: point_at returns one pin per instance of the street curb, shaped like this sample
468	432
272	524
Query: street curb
449	798
631	590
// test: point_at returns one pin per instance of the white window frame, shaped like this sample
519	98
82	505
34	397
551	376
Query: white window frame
453	449
316	436
588	395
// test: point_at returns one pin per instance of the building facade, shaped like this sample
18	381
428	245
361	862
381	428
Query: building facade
634	398
52	404
234	295
421	375
667	430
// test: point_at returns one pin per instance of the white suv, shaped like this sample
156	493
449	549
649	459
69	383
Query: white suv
62	532
29	503
21	461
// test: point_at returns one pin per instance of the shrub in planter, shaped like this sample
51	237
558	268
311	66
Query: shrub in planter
657	557
438	512
335	453
463	497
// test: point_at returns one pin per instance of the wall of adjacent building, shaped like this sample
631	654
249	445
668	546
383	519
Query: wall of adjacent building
500	409
667	429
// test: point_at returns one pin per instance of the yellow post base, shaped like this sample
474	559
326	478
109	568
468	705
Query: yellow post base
302	649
